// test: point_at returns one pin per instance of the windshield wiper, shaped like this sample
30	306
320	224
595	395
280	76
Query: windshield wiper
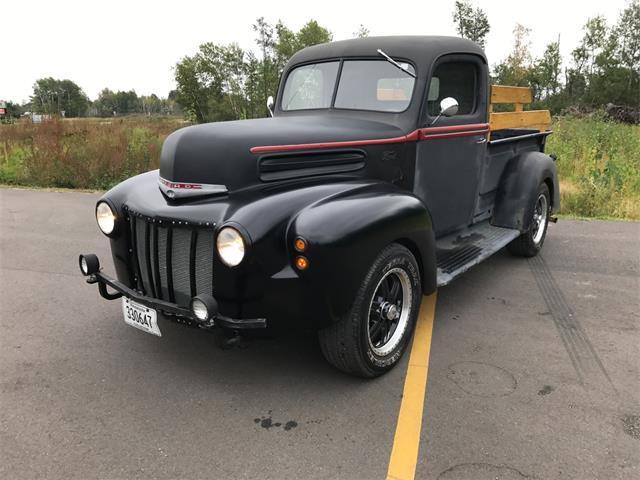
396	64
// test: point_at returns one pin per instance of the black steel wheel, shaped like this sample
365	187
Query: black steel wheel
371	339
530	242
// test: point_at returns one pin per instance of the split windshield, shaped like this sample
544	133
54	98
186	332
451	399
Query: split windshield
364	85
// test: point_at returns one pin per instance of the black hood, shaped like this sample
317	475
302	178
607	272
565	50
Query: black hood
220	153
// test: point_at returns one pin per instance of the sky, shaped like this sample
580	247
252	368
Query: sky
134	44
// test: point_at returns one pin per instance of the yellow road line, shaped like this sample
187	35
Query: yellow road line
406	443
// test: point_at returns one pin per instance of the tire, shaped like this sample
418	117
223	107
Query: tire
530	242
372	337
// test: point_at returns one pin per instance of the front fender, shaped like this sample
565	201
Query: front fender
518	188
346	232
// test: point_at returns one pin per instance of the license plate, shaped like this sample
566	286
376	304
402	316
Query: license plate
140	316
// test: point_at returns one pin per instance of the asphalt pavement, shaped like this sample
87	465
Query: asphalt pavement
534	372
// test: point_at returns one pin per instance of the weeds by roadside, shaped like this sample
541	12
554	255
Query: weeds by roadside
83	153
598	160
598	167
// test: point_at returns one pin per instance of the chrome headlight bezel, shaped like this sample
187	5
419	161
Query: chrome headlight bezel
103	217
231	245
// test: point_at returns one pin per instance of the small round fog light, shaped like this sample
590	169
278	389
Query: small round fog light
89	264
84	268
199	309
204	307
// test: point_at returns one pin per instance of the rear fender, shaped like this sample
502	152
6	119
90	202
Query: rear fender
346	232
519	186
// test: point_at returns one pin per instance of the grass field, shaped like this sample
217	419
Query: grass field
83	153
598	161
598	166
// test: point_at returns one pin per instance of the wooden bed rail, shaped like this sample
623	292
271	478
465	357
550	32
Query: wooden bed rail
518	96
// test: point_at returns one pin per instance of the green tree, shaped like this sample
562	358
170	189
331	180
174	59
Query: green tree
111	103
471	23
127	103
606	63
544	76
106	104
192	92
211	83
224	82
628	32
14	110
53	97
150	104
516	69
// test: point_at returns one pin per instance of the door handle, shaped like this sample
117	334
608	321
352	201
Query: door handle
482	140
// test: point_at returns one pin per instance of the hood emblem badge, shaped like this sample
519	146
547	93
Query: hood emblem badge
185	189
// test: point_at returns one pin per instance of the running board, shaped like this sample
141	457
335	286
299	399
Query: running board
458	252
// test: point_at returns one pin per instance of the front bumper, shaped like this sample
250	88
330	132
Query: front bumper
121	289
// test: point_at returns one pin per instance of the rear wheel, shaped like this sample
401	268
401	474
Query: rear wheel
530	242
372	337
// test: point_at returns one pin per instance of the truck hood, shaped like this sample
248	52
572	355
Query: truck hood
218	157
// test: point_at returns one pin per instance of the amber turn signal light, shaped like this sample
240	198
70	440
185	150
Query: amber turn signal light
302	263
300	245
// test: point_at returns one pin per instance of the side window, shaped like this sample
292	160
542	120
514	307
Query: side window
457	80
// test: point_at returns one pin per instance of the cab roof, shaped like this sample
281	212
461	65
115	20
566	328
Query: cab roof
421	49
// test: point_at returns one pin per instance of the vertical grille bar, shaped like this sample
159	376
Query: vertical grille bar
172	297
148	254
156	261
134	250
162	261
192	262
142	253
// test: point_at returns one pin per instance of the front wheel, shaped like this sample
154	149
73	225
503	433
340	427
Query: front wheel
530	242
372	337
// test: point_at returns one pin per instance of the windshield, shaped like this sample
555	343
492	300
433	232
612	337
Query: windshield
364	85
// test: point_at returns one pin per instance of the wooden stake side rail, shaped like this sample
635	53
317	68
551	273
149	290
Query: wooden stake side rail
518	96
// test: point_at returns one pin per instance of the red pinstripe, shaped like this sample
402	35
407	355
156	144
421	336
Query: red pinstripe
430	133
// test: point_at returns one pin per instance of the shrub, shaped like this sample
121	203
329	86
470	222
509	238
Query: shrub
83	153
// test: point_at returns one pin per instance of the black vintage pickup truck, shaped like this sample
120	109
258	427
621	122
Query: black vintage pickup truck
383	174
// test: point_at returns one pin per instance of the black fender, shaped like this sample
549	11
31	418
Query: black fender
347	231
518	187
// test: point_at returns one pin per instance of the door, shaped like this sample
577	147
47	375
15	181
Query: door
451	149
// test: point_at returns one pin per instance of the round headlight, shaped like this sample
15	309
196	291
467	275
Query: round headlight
106	218
230	246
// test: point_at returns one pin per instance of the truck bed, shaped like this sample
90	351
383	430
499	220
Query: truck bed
502	147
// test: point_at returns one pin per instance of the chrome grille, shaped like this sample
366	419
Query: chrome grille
172	261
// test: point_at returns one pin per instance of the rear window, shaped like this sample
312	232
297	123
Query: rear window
310	86
374	85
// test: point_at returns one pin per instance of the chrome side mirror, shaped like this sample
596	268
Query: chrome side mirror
448	108
271	103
